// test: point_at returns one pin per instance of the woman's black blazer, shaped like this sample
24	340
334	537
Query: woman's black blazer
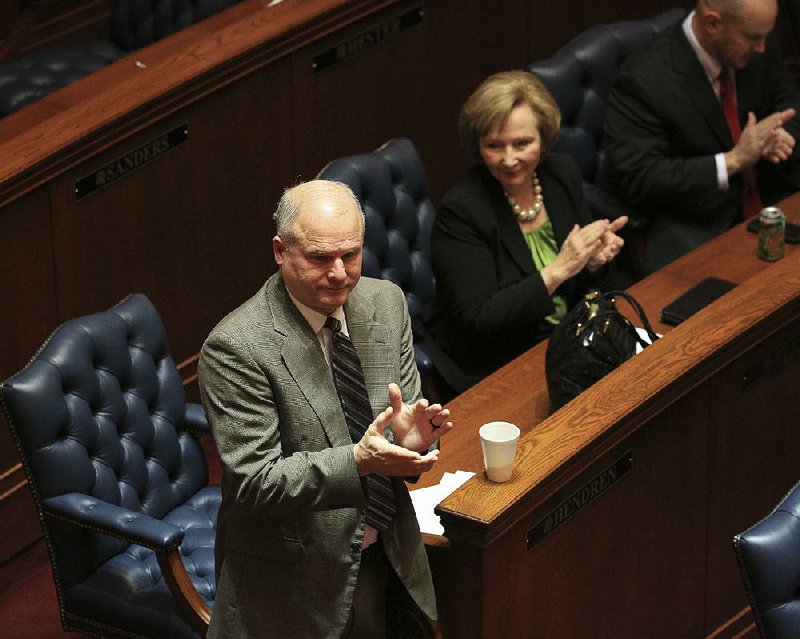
491	300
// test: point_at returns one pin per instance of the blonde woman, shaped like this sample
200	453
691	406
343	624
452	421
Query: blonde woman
513	244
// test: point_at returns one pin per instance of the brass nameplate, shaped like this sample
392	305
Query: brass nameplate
129	162
386	30
773	361
580	499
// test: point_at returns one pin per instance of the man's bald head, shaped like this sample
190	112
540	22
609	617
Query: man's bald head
731	31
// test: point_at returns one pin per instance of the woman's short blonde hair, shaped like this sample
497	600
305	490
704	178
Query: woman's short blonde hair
490	104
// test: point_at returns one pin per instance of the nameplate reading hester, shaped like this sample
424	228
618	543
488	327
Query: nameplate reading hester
125	164
377	35
580	499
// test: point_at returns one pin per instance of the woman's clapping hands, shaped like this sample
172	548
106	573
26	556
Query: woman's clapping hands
590	246
611	244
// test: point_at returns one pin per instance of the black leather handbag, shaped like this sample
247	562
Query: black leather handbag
590	341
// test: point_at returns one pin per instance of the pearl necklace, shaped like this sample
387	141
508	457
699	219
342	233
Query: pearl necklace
529	214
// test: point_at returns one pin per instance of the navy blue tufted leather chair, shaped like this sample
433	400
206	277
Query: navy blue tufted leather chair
769	559
579	77
102	427
390	183
134	24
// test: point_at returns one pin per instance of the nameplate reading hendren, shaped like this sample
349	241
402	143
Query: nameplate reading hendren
580	499
125	164
377	35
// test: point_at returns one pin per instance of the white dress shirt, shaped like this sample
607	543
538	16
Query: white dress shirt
712	68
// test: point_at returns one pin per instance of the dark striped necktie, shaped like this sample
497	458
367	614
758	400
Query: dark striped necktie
349	380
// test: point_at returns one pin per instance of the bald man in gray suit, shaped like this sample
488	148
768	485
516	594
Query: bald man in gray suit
294	554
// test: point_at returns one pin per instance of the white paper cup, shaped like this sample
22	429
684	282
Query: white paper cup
499	443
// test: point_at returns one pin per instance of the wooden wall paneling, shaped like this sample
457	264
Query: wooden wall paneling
49	25
410	85
191	229
244	137
28	315
350	106
464	43
17	507
134	233
12	24
27	289
549	33
63	24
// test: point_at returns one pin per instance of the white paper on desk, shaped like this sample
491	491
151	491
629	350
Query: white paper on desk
425	499
643	334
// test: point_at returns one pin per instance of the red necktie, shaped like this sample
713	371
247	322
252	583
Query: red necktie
751	200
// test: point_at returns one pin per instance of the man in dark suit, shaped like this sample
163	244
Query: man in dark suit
295	554
672	154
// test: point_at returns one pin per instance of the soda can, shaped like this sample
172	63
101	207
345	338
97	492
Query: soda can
770	234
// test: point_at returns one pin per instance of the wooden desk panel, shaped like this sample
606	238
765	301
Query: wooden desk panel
712	453
197	241
27	285
24	29
610	570
27	312
412	85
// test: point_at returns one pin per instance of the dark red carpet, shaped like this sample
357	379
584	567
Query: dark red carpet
28	605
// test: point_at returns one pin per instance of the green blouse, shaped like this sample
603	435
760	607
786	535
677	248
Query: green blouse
542	245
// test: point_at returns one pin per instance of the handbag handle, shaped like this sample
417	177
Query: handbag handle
638	309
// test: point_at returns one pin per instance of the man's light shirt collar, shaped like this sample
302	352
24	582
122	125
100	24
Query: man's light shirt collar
711	66
316	319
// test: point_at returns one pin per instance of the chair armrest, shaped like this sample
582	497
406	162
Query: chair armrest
135	528
195	419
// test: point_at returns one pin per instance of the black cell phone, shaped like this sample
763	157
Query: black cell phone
696	298
791	235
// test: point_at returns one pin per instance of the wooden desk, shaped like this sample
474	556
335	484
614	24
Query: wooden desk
579	545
